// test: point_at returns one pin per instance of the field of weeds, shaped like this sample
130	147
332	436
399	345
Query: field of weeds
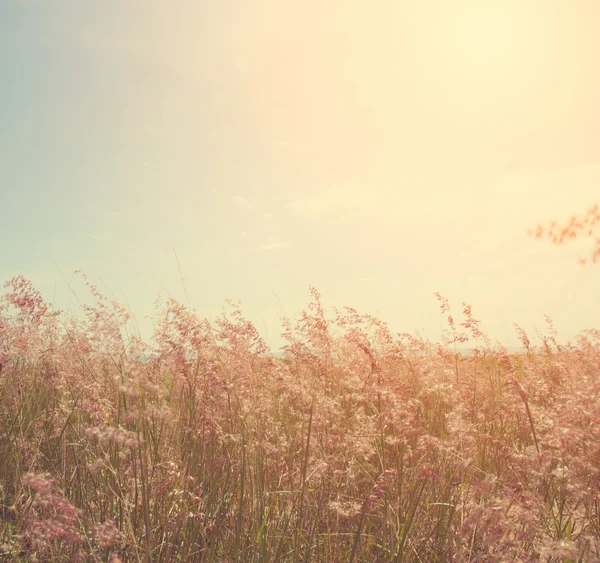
356	445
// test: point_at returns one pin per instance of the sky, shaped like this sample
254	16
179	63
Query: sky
377	151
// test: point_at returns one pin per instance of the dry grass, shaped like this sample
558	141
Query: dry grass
358	445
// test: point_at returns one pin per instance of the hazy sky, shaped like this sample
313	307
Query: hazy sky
379	151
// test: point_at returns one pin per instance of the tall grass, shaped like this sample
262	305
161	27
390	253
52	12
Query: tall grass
357	445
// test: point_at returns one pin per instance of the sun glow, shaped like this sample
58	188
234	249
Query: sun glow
483	46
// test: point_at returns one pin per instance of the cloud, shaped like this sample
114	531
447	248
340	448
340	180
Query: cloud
277	245
312	207
99	235
281	142
547	194
346	204
245	203
373	278
337	205
104	214
511	197
88	208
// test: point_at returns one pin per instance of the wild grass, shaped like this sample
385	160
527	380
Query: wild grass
357	445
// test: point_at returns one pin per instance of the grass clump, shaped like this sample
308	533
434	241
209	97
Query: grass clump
356	445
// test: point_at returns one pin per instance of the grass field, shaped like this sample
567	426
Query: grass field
357	445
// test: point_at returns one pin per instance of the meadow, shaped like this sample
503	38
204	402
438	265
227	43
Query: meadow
356	445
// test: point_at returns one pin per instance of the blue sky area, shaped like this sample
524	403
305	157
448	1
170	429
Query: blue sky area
379	152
